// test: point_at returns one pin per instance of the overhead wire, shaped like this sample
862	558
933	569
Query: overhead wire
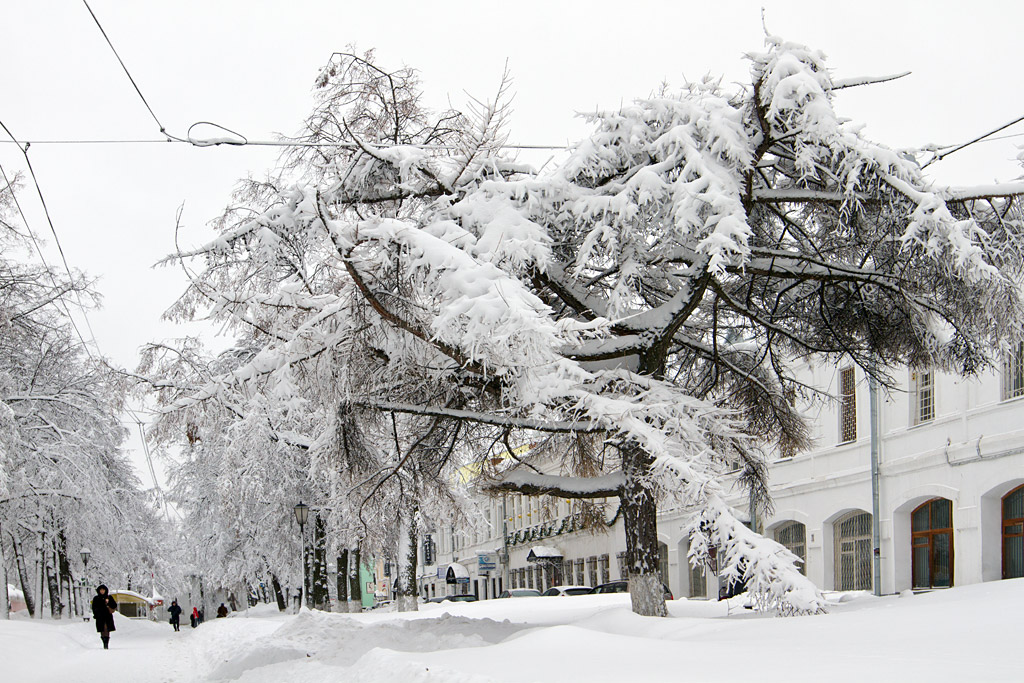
24	147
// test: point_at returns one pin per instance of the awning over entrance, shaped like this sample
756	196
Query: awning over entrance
544	553
456	573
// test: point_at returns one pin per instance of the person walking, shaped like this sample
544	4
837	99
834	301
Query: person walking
103	608
222	611
175	612
194	617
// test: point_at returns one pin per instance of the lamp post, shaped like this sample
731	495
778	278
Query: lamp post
302	516
85	554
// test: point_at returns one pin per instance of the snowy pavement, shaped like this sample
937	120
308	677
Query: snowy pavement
964	634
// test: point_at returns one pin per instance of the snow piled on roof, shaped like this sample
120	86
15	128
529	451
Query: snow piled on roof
459	571
545	551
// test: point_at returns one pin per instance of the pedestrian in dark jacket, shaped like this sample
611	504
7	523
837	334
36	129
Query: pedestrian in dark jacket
222	611
103	608
175	613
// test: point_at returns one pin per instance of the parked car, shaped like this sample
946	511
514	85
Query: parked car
461	598
568	590
438	598
520	593
623	587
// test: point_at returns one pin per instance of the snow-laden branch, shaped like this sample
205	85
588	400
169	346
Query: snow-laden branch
842	83
482	418
533	484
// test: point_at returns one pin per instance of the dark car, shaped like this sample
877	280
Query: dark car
461	598
520	593
568	590
623	587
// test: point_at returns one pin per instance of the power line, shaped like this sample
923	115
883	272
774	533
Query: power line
46	211
85	314
199	142
126	72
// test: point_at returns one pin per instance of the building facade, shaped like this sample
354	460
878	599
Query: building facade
951	499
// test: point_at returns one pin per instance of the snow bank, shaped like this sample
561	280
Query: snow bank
962	634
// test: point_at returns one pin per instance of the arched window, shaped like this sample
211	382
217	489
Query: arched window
793	536
931	526
1013	534
663	562
853	552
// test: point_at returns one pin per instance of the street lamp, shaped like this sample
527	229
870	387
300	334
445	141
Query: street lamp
302	516
85	554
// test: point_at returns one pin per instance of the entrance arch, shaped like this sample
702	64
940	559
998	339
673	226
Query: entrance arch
931	541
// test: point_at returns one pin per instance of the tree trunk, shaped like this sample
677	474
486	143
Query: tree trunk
63	570
405	593
355	590
52	584
40	570
343	581
282	605
26	584
320	594
5	612
640	519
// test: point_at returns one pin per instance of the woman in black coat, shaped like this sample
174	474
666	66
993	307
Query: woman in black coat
103	608
175	611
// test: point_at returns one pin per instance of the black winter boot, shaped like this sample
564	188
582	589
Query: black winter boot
106	643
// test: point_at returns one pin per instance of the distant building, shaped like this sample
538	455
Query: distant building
951	500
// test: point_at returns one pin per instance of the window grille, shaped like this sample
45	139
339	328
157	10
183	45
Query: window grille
592	569
623	572
793	536
580	579
923	389
853	552
848	406
605	573
1013	372
567	572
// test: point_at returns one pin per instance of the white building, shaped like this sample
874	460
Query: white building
951	499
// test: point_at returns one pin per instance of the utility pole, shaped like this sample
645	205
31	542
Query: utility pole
876	535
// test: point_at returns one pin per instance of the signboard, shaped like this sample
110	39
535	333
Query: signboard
486	562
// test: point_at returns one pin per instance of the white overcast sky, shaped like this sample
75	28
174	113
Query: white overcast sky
250	65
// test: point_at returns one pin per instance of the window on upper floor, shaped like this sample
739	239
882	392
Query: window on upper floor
847	405
922	396
1013	372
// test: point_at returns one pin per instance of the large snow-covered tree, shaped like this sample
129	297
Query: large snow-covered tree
653	289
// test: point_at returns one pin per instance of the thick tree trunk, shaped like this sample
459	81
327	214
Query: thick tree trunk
63	570
355	591
23	579
282	605
52	584
640	519
343	581
405	594
320	594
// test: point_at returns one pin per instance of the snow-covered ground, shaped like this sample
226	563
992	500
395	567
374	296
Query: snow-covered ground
963	634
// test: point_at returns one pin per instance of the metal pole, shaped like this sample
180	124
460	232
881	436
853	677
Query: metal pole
304	592
876	535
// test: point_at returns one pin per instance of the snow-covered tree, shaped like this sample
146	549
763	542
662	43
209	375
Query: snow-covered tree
653	290
65	481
